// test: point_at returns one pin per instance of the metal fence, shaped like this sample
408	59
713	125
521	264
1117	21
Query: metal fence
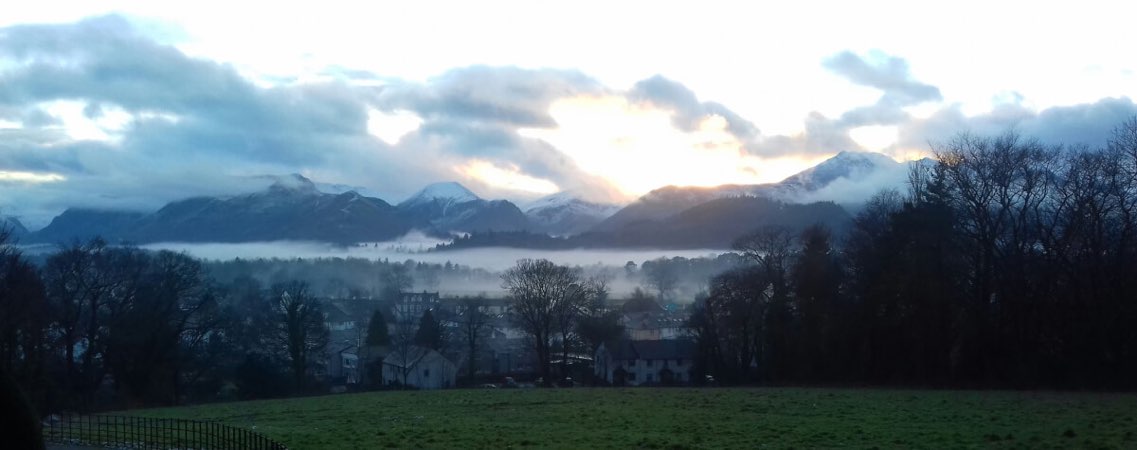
125	432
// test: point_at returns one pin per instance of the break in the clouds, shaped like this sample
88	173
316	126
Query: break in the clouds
100	113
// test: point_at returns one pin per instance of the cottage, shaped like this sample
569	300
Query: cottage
419	367
343	365
633	363
336	318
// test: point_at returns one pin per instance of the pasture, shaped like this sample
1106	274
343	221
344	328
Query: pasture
679	418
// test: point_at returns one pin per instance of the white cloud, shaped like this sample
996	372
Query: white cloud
29	177
390	127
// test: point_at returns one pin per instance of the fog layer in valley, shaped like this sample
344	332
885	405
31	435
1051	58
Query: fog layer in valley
415	247
493	259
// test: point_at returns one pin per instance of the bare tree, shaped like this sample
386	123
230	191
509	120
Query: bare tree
23	318
301	330
543	295
474	325
403	344
660	275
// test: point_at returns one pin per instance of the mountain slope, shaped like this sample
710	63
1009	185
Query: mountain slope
719	222
564	213
715	224
13	226
449	207
845	177
83	224
671	200
293	211
849	165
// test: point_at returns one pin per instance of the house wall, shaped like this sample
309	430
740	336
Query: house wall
641	371
647	371
429	373
655	334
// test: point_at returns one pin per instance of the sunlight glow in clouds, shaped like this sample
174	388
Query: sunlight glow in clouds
506	178
876	138
390	127
30	177
638	149
107	125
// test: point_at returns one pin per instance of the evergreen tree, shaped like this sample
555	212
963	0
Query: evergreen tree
429	332
377	333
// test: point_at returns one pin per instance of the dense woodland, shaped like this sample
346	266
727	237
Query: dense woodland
1010	263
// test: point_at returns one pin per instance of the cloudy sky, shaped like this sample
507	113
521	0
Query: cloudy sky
133	104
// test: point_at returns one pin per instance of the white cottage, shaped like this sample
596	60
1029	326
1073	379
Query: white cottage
422	368
633	362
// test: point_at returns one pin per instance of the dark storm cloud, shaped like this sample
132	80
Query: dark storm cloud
687	109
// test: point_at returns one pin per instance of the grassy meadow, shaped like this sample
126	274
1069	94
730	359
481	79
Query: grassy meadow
673	418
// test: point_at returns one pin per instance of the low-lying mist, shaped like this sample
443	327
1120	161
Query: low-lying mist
492	259
490	262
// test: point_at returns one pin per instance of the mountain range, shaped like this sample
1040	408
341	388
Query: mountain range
296	208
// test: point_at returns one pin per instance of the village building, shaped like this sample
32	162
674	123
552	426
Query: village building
411	305
628	362
419	367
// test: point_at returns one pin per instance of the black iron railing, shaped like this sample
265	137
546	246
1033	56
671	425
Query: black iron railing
152	433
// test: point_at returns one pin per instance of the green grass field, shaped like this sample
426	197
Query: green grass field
685	418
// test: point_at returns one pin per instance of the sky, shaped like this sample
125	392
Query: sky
132	104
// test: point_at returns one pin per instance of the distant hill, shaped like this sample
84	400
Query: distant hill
444	208
83	224
14	226
564	213
848	177
292	211
718	223
714	225
296	208
292	208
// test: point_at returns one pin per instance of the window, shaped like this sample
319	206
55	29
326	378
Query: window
631	376
679	361
649	363
425	373
649	378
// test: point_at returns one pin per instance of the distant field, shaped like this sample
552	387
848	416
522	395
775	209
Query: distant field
685	418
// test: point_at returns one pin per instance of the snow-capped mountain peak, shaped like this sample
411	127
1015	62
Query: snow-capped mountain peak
447	192
846	164
566	213
292	182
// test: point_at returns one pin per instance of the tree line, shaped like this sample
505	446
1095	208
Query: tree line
1009	262
98	326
